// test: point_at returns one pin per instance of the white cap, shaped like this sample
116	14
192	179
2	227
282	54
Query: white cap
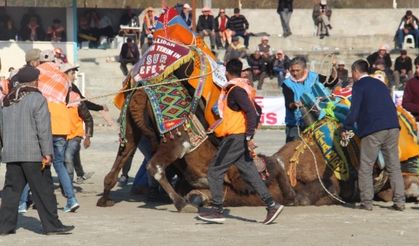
47	56
323	2
187	6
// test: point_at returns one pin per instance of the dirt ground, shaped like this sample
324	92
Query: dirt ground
132	221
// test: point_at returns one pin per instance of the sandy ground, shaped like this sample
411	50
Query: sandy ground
132	221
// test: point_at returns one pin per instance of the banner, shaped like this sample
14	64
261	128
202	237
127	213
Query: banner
273	110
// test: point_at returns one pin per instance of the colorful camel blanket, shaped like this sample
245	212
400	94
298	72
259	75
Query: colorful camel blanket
171	105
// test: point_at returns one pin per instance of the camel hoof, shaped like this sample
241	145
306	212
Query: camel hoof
188	208
103	202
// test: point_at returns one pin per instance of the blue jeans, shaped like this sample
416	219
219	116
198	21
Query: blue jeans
60	144
142	178
72	157
24	195
401	35
245	37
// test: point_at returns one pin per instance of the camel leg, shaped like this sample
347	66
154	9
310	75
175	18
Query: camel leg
156	168
124	153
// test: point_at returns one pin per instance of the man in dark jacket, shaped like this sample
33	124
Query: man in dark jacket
258	68
239	26
402	69
206	26
285	11
408	25
27	139
411	94
129	54
375	115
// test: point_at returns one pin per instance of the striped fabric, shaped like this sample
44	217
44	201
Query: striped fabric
52	82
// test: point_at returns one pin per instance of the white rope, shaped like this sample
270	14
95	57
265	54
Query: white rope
317	168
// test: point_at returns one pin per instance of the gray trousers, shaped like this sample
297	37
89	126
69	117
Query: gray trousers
387	142
285	17
211	35
233	150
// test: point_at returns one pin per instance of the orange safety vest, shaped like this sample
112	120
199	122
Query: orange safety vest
234	122
60	118
76	124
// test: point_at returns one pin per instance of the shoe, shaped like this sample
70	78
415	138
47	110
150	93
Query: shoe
72	205
273	213
123	180
365	206
86	176
79	180
22	208
330	27
213	215
398	207
7	233
60	231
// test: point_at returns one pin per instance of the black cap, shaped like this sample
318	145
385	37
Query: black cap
236	10
403	52
27	74
409	13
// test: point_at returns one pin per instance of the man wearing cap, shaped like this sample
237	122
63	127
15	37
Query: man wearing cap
239	26
321	17
235	50
55	86
147	44
340	73
408	25
258	68
381	57
267	56
280	66
187	15
403	70
79	114
27	138
129	55
285	11
206	26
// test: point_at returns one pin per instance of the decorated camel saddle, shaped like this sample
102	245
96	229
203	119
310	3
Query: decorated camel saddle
329	111
174	46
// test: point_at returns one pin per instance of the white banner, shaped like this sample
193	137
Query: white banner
273	110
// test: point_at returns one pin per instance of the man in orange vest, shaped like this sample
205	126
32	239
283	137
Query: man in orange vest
240	119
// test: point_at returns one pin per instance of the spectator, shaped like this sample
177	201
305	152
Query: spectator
222	33
321	18
26	133
381	60
105	26
32	31
235	50
7	29
258	68
411	94
79	114
285	11
56	31
28	16
403	70
408	25
84	31
147	44
129	18
149	23
375	115
340	73
239	26
129	54
187	15
60	57
281	66
205	26
267	55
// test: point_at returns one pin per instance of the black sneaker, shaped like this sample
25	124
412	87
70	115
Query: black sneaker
273	213
213	215
63	230
398	207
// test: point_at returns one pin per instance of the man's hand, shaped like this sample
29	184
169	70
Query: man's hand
251	146
46	161
105	108
86	142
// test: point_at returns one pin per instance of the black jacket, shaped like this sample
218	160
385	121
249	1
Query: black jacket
134	50
374	56
284	4
205	23
87	119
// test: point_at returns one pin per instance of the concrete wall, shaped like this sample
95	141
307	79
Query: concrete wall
12	53
345	22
